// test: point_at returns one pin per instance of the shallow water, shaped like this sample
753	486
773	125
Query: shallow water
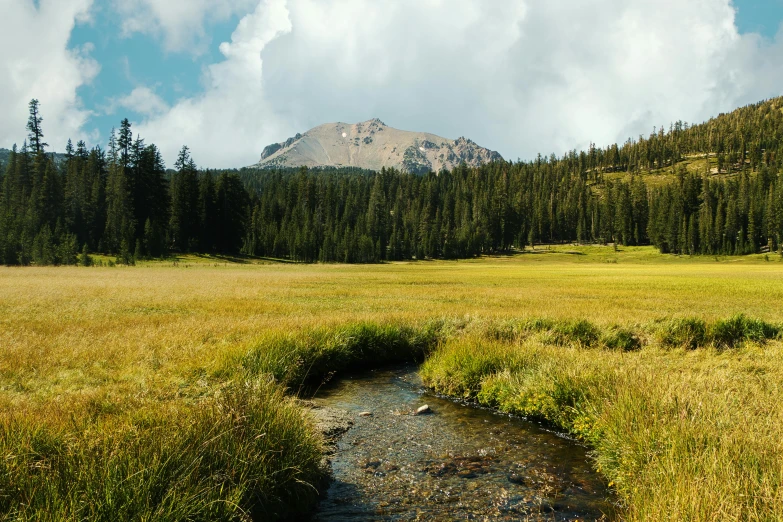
460	463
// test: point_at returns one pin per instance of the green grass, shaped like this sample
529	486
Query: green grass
695	164
247	452
303	356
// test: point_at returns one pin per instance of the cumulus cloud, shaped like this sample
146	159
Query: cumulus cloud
142	100
37	63
519	76
181	23
231	121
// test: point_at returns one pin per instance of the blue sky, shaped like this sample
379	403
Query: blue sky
510	75
760	16
140	59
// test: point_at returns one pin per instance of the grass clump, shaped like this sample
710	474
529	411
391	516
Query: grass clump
459	371
581	333
621	339
689	333
728	333
298	357
248	453
566	333
692	333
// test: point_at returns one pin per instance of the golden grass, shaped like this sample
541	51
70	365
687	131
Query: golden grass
100	343
67	334
697	164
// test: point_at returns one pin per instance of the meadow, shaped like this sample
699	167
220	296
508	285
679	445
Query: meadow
167	390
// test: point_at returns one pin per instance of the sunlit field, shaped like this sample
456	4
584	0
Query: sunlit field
77	330
96	361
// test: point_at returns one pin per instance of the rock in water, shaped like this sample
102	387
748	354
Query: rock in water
424	410
516	479
365	414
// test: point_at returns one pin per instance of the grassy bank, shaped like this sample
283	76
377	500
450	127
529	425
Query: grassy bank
230	445
684	429
248	452
126	390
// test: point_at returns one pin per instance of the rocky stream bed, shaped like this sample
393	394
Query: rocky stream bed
457	462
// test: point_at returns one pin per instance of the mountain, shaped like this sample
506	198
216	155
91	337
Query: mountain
373	145
5	154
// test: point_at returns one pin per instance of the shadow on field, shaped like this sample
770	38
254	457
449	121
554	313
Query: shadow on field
241	259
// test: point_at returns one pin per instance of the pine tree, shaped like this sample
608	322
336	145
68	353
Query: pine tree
138	253
232	212
125	257
124	143
85	259
68	251
119	214
207	207
185	219
35	136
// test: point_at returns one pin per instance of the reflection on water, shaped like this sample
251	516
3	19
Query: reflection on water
461	463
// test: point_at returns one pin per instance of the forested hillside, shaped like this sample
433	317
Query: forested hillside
713	188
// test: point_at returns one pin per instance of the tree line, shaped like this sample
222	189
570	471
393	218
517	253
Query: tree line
735	216
333	216
122	201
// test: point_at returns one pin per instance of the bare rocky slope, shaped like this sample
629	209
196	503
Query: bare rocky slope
5	154
373	145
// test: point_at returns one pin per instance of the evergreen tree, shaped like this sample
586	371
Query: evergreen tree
119	215
85	259
35	136
207	210
185	209
232	212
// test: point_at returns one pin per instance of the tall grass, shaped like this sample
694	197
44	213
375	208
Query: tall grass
238	450
247	452
681	434
297	357
229	445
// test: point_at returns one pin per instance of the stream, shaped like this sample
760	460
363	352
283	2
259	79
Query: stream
458	463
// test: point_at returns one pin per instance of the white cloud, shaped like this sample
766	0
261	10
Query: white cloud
36	63
520	76
231	121
180	22
142	100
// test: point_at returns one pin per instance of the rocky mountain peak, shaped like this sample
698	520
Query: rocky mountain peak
373	145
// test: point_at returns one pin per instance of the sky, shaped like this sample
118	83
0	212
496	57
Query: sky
228	77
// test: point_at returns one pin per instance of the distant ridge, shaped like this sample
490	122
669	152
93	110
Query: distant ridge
5	154
374	145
